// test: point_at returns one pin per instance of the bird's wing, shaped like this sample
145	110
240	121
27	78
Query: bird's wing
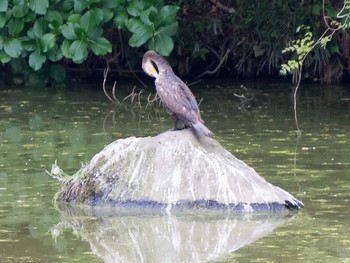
178	98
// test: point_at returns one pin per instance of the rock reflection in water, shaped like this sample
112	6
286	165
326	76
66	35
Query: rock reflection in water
143	236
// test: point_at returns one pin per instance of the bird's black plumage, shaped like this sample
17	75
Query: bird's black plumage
174	93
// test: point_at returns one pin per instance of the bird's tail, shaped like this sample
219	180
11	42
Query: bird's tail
200	129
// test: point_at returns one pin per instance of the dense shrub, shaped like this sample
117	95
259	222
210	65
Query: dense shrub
34	34
43	39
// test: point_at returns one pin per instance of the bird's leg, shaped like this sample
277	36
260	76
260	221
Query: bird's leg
175	122
175	127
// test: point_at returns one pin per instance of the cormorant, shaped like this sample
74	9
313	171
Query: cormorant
174	93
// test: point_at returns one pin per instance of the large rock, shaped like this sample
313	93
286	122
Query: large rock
173	170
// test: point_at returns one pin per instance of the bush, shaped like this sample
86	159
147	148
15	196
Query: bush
42	39
35	34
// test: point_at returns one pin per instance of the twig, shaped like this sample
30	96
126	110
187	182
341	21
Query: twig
150	102
229	10
299	71
139	98
132	95
242	97
113	92
210	72
105	74
200	101
105	119
193	83
299	74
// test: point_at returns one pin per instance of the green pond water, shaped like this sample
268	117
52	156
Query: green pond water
39	127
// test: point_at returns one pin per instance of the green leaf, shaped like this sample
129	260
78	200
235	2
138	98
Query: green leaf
79	32
167	14
107	14
2	19
36	59
13	47
55	19
91	19
80	5
3	5
110	4
20	10
284	69
68	31
169	30
4	58
100	46
132	10
68	5
98	31
39	27
145	15
39	6
30	18
55	54
161	43
121	20
29	44
15	26
30	33
48	41
134	24
65	48
54	16
74	18
141	35
78	51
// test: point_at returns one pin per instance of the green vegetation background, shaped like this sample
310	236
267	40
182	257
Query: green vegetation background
42	40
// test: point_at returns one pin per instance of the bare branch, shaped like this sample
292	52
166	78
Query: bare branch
105	74
150	102
229	10
210	72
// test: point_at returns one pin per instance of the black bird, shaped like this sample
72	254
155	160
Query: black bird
174	93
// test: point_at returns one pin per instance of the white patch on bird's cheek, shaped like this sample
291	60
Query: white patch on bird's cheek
150	70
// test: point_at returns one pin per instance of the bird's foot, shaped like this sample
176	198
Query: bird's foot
176	129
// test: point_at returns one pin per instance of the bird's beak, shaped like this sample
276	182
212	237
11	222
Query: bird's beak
150	69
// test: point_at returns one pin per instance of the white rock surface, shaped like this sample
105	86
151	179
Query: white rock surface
176	170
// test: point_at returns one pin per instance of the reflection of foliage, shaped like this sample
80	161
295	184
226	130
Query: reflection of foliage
245	98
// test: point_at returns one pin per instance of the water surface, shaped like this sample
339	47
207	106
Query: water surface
39	127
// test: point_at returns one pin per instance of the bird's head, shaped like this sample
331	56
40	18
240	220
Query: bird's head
148	66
